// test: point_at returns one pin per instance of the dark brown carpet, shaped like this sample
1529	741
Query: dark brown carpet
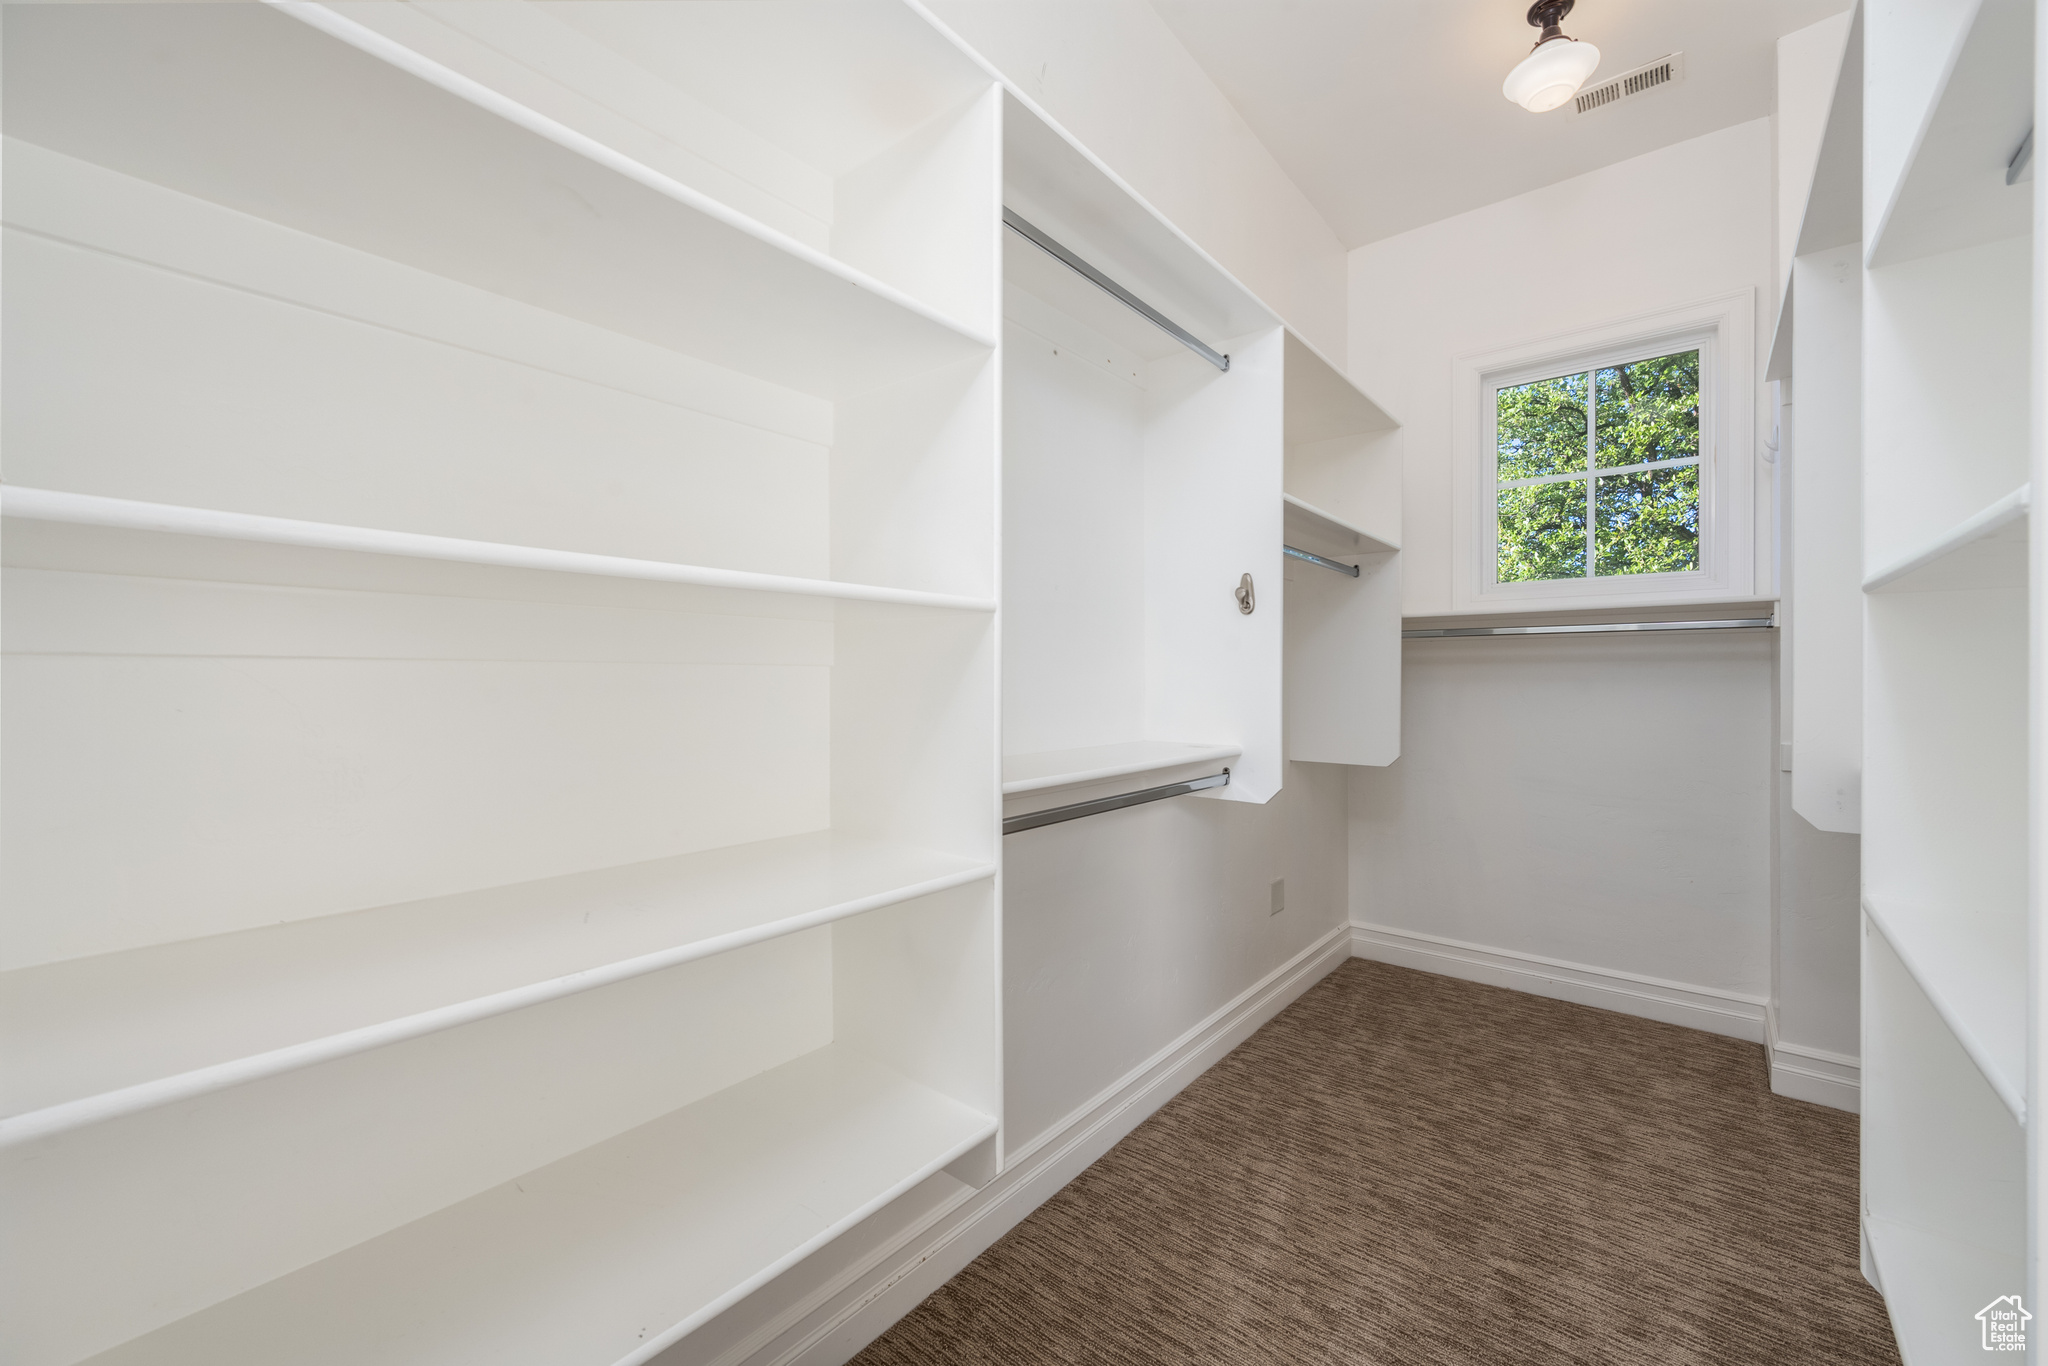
1404	1169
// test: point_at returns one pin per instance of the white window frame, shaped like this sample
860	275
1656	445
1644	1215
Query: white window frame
1723	331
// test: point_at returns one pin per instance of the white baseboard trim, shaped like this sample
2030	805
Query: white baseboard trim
1708	1008
835	1322
1815	1074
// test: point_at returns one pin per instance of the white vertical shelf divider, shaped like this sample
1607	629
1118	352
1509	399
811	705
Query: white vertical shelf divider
501	628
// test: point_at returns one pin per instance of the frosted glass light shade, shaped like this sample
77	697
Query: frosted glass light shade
1551	74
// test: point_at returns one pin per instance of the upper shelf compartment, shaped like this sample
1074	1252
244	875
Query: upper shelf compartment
1343	481
1953	99
1070	197
350	136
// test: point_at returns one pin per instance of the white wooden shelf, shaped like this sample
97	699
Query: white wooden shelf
610	1255
1051	769
1972	966
85	532
1323	531
93	1038
1985	550
1952	192
1933	1288
334	129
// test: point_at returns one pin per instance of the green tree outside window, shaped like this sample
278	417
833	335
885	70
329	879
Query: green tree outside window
1598	472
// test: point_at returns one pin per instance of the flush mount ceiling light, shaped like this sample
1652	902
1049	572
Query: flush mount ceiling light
1557	68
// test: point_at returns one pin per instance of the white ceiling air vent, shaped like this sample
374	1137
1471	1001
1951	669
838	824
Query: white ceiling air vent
1664	71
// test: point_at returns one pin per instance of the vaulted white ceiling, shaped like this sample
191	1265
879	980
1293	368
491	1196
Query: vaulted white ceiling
1388	113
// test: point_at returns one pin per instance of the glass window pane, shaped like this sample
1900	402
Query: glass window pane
1541	427
1647	522
1648	410
1542	532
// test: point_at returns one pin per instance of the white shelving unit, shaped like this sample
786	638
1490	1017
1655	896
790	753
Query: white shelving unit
1141	484
501	626
502	616
1341	501
1946	339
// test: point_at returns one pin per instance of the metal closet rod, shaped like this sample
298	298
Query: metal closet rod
1592	628
1075	810
1348	570
1112	288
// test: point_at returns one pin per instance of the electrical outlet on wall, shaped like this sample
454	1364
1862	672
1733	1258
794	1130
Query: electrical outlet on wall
1279	895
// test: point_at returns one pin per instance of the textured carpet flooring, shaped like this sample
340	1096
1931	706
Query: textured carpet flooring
1404	1169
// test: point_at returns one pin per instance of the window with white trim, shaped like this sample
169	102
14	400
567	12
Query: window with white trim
1597	471
1610	466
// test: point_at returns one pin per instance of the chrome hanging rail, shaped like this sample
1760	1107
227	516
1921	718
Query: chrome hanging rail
1074	811
1598	628
1349	570
1112	288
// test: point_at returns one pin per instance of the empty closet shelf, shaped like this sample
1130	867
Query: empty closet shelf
1941	200
1064	768
1932	1282
608	1256
1314	529
419	164
1985	550
93	1038
51	529
1973	971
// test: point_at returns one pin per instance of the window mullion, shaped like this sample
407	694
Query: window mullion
1644	468
1592	479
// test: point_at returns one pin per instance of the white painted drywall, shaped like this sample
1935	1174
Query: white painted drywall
1114	75
1604	800
1613	802
1687	222
1123	931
